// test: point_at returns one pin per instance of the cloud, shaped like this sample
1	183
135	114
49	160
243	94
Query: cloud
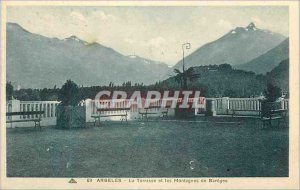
225	24
77	16
82	19
148	30
88	25
78	22
257	20
130	41
157	41
203	20
98	14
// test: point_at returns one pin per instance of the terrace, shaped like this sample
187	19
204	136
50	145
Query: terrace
205	146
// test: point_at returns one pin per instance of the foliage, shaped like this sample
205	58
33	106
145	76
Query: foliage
183	77
215	81
222	80
70	117
9	91
69	94
279	76
225	67
272	93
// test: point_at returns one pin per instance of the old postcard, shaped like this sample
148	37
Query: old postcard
149	95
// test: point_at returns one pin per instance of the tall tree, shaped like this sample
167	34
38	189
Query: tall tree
9	91
184	76
272	92
69	94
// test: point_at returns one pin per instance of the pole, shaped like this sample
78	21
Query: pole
184	46
182	58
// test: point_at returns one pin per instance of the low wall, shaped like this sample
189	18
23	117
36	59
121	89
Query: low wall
223	106
49	118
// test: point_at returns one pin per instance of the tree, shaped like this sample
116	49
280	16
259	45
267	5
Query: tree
68	113
69	94
225	67
111	85
183	77
9	91
272	93
44	94
229	93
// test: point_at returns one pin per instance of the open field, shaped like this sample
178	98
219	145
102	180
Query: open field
201	148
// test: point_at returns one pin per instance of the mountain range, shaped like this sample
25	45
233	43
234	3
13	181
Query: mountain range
35	61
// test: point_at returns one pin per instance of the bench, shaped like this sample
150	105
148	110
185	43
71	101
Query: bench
144	114
101	110
234	111
278	114
37	121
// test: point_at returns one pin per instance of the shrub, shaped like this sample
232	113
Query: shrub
69	94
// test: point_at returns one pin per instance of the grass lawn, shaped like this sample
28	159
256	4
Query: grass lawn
238	148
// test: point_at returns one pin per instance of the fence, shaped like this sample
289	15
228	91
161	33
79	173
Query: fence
92	105
222	106
48	118
225	104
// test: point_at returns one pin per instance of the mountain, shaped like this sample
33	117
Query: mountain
269	60
238	46
35	61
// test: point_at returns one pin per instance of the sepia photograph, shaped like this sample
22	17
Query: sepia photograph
158	95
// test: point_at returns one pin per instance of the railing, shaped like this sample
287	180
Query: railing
48	118
48	106
251	104
218	103
285	104
222	105
134	105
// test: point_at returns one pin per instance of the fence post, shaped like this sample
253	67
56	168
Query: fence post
15	107
225	105
210	107
282	103
88	110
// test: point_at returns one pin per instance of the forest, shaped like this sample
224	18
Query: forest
212	80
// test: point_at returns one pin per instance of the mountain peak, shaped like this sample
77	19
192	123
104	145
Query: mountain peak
238	46
74	38
251	26
132	56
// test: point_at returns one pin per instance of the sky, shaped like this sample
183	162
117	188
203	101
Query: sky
155	33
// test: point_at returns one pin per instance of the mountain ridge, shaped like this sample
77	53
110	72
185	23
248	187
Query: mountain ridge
36	61
238	46
266	62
